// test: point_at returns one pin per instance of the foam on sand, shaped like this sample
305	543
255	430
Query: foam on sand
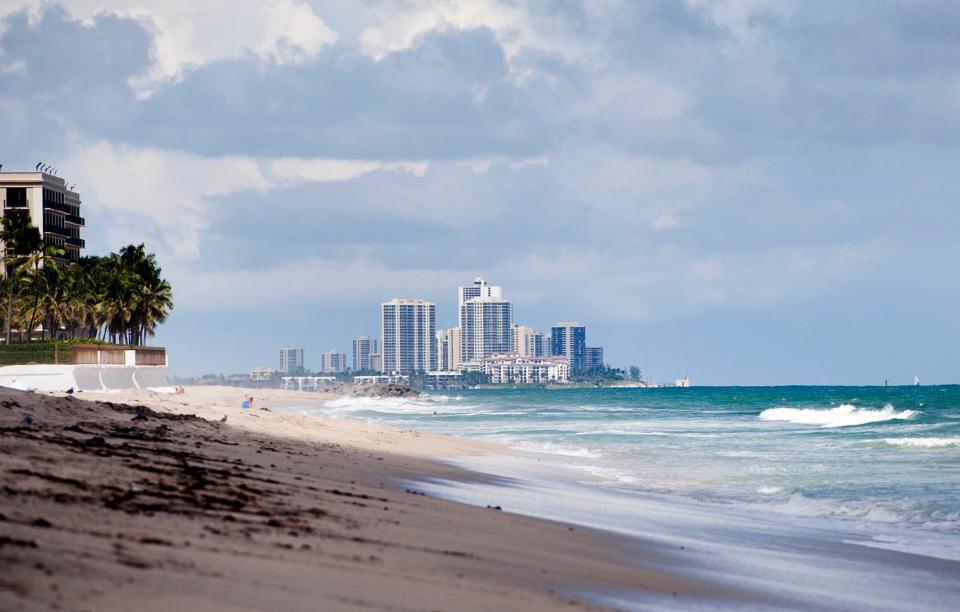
844	415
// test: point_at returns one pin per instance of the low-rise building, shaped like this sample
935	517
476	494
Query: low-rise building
308	383
383	379
443	379
261	373
516	369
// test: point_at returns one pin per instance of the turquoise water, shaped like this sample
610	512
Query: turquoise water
875	454
844	498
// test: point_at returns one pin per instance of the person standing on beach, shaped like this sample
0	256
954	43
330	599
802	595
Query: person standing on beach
245	404
251	402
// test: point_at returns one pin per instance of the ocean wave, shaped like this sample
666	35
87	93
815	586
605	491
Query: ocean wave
844	415
923	442
556	449
620	432
413	406
891	512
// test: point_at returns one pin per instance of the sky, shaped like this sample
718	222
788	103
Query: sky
738	191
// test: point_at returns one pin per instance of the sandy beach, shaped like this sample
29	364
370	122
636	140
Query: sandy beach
147	501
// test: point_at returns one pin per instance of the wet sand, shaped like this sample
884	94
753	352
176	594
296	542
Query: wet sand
157	505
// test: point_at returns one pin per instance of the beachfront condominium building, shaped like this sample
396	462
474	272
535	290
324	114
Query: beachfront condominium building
569	339
593	357
363	348
448	350
514	369
291	359
333	362
408	336
51	206
526	341
486	320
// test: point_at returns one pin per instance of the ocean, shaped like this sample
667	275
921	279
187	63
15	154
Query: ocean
806	475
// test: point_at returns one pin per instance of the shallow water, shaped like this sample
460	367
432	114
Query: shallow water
762	486
890	455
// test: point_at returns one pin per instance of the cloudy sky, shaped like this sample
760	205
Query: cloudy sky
742	191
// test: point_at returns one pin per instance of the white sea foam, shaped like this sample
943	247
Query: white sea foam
557	449
844	415
923	442
422	405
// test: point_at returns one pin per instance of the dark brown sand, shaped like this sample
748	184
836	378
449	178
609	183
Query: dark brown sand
102	509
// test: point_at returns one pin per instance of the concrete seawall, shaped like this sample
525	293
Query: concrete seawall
44	377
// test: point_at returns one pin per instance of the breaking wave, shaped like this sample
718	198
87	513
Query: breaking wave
842	416
923	442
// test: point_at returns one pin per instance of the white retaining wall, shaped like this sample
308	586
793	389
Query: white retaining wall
44	377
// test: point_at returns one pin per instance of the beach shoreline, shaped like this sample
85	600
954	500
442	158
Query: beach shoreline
146	500
153	503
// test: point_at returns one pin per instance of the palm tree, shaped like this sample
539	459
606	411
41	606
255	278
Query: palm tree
122	296
20	239
43	284
154	304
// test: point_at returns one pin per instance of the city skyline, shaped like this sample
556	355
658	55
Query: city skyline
482	308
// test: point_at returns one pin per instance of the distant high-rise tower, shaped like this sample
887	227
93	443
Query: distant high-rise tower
333	362
527	341
291	359
593	357
479	288
569	339
448	349
363	348
408	336
486	320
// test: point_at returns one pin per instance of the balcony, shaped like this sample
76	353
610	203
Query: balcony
58	207
76	242
57	231
75	220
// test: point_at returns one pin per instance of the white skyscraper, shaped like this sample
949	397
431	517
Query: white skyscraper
363	348
527	341
333	362
479	288
408	336
448	350
486	321
291	359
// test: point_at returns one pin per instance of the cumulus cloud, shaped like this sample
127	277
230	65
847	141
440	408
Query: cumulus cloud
314	281
300	170
172	195
159	193
189	34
